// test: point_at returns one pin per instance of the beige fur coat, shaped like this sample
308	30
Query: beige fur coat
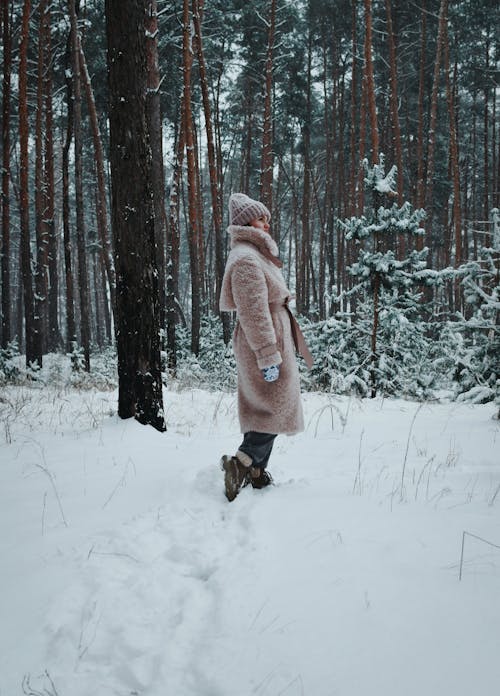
262	336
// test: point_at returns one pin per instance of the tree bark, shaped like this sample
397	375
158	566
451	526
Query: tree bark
41	229
370	82
154	120
83	280
53	335
213	172
6	108
32	353
429	187
486	148
454	163
354	98
193	223
303	298
68	260
137	299
420	189
266	168
173	244
101	212
396	129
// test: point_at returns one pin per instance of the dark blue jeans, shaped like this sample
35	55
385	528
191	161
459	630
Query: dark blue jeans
258	446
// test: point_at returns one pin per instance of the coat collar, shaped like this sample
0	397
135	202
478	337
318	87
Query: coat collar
262	240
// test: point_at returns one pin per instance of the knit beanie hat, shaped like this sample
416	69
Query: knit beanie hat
243	209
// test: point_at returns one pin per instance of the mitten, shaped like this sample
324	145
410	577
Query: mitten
272	373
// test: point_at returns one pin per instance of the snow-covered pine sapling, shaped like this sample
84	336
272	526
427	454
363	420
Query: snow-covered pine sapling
478	373
9	371
378	269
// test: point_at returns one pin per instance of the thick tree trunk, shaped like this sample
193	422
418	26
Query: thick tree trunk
83	280
6	108
137	300
153	114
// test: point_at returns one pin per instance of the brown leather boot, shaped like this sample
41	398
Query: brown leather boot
260	478
236	476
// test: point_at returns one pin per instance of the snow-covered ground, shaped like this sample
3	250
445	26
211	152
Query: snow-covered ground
125	572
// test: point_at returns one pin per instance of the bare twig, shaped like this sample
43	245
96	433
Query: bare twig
43	512
30	691
401	491
50	476
122	481
357	478
494	496
428	463
474	536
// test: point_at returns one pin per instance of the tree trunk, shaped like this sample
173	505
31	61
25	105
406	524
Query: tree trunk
6	106
173	244
213	173
354	99
32	353
248	132
266	168
137	300
97	298
454	163
420	191
83	281
373	356
153	114
370	82
396	130
303	304
429	187
53	334
102	217
486	148
68	260
193	224
41	229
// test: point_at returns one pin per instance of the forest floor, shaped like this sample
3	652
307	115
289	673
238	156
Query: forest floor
125	572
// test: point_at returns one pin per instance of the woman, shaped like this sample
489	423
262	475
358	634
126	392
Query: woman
265	339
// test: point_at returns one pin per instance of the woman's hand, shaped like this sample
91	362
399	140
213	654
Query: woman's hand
271	373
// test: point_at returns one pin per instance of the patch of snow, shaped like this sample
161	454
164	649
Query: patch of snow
126	571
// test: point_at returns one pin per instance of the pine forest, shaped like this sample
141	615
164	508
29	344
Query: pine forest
368	128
